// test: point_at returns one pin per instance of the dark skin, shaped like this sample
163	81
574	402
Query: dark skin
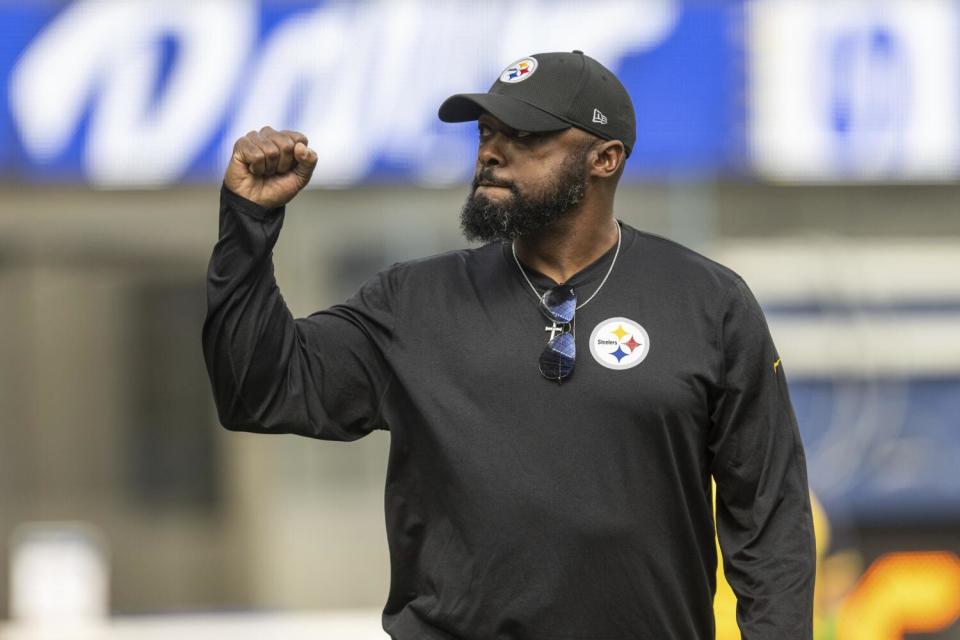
270	167
529	160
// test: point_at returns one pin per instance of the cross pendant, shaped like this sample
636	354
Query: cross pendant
554	330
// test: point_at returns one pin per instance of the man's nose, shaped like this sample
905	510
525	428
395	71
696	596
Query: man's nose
490	152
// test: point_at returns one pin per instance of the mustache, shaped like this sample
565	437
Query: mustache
486	176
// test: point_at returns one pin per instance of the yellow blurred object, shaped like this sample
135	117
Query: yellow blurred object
725	602
903	592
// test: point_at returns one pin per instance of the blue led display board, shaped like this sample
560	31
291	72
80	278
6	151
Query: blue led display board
153	93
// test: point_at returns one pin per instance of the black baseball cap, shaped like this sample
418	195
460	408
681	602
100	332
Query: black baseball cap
550	92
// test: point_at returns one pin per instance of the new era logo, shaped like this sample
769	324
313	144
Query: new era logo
598	117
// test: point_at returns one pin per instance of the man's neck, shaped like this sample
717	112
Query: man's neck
561	252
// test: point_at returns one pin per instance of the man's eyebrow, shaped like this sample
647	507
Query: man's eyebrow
505	128
491	122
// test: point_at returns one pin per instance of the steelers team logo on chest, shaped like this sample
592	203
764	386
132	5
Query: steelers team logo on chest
619	343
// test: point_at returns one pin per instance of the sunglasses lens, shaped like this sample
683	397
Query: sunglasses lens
558	357
559	303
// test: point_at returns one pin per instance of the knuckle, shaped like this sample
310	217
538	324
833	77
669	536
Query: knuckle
294	137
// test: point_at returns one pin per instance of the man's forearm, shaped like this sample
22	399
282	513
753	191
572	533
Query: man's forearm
247	321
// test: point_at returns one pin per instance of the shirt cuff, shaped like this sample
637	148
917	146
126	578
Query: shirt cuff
247	207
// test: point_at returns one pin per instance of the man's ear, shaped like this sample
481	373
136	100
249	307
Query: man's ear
607	158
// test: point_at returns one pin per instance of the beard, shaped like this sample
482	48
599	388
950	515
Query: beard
523	214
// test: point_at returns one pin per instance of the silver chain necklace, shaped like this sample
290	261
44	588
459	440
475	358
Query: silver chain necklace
539	295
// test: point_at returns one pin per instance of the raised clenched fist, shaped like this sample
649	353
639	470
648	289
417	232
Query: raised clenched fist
270	167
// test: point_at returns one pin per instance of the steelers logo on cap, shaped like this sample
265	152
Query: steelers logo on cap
619	343
519	70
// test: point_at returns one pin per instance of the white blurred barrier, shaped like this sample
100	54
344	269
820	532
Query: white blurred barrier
58	575
338	625
885	307
59	591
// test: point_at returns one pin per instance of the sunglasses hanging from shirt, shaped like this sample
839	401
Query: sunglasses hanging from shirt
559	305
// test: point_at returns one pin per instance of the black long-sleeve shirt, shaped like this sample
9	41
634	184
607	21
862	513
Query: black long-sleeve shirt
517	507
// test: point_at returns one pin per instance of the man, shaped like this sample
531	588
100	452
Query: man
558	399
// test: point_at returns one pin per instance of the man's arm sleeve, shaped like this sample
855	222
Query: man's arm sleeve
764	520
322	376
